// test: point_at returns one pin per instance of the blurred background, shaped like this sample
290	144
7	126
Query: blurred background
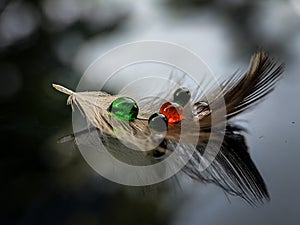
46	41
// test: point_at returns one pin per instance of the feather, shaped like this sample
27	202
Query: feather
232	169
242	91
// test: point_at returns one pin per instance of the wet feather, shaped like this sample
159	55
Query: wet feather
233	169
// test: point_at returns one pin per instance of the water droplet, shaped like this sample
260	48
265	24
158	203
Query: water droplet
124	109
158	123
200	110
182	96
173	112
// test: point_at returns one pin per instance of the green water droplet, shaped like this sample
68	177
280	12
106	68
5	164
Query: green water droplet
124	109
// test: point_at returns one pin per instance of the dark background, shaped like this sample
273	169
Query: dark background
48	41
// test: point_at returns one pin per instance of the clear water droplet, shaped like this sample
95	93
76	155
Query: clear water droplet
200	110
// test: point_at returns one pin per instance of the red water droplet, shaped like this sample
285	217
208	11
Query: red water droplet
173	112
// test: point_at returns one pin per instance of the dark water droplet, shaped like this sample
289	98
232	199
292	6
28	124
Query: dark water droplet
158	122
182	96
